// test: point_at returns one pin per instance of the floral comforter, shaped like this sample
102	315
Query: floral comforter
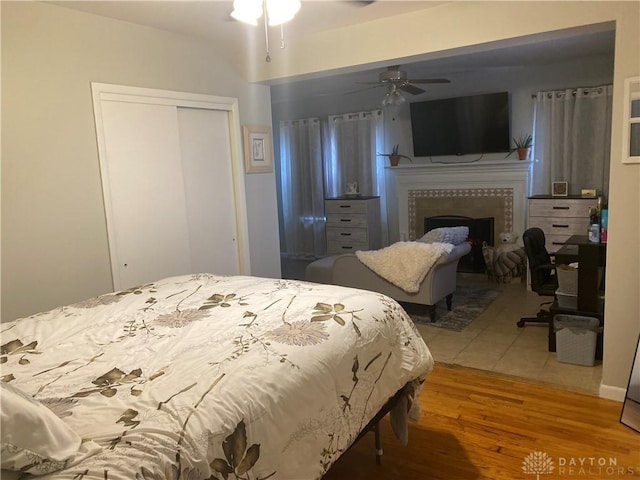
212	377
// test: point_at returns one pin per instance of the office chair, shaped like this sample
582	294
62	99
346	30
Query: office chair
543	278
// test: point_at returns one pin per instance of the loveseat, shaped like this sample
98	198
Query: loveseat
349	271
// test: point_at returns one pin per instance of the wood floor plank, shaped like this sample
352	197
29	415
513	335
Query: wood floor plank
482	425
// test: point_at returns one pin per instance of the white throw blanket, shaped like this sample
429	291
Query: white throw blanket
405	264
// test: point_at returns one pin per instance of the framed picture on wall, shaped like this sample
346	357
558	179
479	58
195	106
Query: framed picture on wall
257	149
560	189
631	126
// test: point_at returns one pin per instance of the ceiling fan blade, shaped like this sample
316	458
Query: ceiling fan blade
430	80
374	85
332	94
361	3
412	89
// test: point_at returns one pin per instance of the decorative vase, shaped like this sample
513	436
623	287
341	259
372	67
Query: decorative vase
394	159
523	153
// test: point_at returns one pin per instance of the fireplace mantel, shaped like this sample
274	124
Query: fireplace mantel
462	168
457	179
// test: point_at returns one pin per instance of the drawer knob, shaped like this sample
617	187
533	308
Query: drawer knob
345	219
560	226
561	208
346	247
345	234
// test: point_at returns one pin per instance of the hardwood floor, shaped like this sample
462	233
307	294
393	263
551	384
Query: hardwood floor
483	425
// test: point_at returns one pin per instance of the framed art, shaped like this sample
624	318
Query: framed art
560	189
257	149
631	126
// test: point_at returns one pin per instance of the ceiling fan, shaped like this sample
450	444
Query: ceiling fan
395	80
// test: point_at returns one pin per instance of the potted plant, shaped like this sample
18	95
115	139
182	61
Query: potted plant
522	146
394	156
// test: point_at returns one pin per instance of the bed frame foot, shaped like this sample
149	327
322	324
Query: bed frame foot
449	298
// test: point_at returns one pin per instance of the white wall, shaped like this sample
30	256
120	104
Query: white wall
54	238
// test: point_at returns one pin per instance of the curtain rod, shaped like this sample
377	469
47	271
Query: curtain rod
574	92
351	116
301	121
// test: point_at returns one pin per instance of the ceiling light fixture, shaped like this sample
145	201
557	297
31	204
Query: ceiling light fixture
276	12
393	97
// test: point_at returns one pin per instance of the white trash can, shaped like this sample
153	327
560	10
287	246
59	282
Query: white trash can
576	339
567	279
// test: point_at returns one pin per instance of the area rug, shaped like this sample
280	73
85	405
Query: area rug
469	301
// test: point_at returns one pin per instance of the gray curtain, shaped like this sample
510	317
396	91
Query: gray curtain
302	191
351	155
317	162
572	139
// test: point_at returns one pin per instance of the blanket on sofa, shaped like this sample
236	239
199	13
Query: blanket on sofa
404	264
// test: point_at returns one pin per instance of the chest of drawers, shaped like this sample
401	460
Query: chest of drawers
352	224
560	217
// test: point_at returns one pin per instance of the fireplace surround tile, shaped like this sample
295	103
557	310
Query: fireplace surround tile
483	188
473	203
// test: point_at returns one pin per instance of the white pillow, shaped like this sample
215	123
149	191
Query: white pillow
32	438
432	236
453	235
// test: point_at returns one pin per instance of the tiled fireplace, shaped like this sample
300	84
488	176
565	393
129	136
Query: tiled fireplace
473	203
496	189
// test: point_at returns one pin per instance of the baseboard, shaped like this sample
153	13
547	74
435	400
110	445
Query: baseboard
612	393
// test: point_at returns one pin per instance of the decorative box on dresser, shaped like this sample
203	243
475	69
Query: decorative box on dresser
353	223
560	217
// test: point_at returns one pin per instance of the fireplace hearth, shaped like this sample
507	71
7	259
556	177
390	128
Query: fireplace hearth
480	231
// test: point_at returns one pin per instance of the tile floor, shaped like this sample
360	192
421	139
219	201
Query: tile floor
493	342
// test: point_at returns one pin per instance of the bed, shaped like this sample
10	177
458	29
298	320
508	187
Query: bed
207	377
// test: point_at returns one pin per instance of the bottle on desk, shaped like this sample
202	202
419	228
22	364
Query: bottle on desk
594	226
604	221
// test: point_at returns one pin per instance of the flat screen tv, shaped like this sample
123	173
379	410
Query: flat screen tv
461	125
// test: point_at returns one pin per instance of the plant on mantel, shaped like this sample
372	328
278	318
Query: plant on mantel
522	145
394	156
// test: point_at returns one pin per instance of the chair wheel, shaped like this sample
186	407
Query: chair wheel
520	323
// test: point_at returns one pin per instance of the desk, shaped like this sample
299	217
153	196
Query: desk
591	257
566	255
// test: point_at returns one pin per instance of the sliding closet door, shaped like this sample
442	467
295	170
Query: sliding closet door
172	182
208	189
149	233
